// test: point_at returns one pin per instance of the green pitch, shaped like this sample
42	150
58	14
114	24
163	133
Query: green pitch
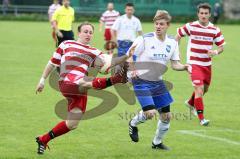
25	49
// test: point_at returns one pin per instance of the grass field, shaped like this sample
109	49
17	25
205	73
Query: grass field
25	48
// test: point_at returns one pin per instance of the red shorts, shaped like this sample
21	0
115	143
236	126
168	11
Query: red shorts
107	34
74	97
201	75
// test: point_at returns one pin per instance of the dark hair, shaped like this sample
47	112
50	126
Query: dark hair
83	24
204	6
129	5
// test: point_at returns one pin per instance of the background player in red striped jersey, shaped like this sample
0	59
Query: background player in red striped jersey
74	58
52	8
107	19
202	35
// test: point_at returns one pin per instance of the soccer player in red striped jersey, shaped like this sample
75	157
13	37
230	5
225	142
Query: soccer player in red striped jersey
52	8
202	35
107	19
74	58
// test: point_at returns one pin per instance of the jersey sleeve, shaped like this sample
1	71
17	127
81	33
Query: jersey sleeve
102	18
184	30
175	55
57	55
116	24
219	39
55	15
139	43
49	9
73	15
118	14
139	27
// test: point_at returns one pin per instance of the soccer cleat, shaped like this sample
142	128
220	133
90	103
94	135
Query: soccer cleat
160	146
191	107
41	146
204	122
133	132
121	75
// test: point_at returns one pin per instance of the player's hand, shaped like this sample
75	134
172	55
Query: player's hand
39	88
59	34
132	50
134	74
40	85
212	53
188	68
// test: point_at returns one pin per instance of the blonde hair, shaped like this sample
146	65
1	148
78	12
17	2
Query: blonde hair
162	14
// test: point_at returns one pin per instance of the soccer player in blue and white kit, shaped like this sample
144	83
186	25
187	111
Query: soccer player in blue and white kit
153	51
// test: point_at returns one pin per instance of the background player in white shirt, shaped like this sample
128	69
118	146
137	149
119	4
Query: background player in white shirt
153	51
107	19
125	29
202	35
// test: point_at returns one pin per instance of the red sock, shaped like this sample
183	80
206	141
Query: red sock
191	100
198	102
60	129
99	83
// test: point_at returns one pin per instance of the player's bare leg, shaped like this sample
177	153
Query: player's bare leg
205	88
190	103
73	118
198	103
162	128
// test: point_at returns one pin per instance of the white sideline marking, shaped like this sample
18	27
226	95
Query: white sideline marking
196	133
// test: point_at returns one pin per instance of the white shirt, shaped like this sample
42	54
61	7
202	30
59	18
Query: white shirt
127	28
153	55
52	8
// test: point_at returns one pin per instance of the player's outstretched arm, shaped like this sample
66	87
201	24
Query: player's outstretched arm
48	69
55	27
177	66
119	60
178	38
114	35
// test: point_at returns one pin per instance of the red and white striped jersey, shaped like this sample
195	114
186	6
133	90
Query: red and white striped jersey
52	8
201	39
109	17
74	59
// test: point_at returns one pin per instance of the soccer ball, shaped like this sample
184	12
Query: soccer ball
106	67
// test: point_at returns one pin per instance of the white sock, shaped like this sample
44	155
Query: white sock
139	118
162	129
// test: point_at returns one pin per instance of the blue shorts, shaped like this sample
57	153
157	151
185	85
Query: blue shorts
152	93
123	47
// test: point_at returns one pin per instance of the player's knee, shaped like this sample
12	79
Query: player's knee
72	124
74	116
199	91
165	117
150	113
